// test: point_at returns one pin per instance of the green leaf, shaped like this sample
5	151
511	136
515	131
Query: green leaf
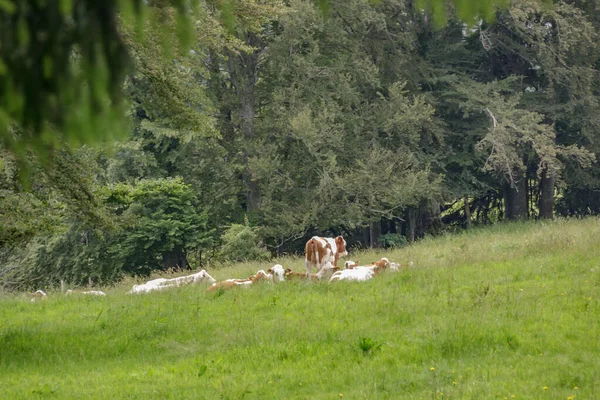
66	6
7	6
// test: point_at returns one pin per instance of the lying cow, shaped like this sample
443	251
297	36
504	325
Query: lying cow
376	266
320	251
163	283
38	294
231	283
228	284
278	272
324	273
87	292
381	265
354	274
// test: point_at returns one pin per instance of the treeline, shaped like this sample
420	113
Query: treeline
366	119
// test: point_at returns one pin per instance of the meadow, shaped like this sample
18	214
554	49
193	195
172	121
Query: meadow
506	312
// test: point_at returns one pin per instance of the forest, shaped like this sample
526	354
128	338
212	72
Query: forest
230	131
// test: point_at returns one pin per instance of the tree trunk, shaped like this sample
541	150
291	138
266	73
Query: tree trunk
515	200
175	259
546	204
430	219
366	235
412	223
467	212
393	227
374	233
243	69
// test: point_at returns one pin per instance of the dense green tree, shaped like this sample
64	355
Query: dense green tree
162	224
279	120
62	66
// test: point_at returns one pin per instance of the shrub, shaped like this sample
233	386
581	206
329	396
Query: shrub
240	243
162	223
392	240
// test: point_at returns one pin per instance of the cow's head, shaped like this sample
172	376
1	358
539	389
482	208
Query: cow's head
341	246
277	270
381	264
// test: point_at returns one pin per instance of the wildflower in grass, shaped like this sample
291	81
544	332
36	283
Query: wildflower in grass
575	388
570	397
341	395
545	388
454	383
432	369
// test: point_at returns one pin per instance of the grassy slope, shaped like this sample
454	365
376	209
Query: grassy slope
492	313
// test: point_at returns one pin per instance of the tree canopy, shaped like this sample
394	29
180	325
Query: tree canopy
254	124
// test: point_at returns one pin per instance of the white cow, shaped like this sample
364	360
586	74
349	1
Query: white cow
278	272
163	283
87	292
325	272
38	294
356	274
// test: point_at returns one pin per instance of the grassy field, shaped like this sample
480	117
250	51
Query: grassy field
510	311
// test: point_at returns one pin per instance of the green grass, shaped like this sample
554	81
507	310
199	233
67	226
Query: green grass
486	314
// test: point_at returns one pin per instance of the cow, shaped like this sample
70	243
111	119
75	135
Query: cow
278	271
38	294
231	283
290	275
163	283
381	264
320	251
355	274
87	292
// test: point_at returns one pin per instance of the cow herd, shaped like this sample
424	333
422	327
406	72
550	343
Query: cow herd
322	253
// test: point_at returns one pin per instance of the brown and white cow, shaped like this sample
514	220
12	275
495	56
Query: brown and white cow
320	251
231	283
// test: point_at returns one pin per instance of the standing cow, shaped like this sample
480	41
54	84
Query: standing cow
320	251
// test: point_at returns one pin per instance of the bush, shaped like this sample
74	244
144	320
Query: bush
154	224
163	222
392	240
74	256
240	243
